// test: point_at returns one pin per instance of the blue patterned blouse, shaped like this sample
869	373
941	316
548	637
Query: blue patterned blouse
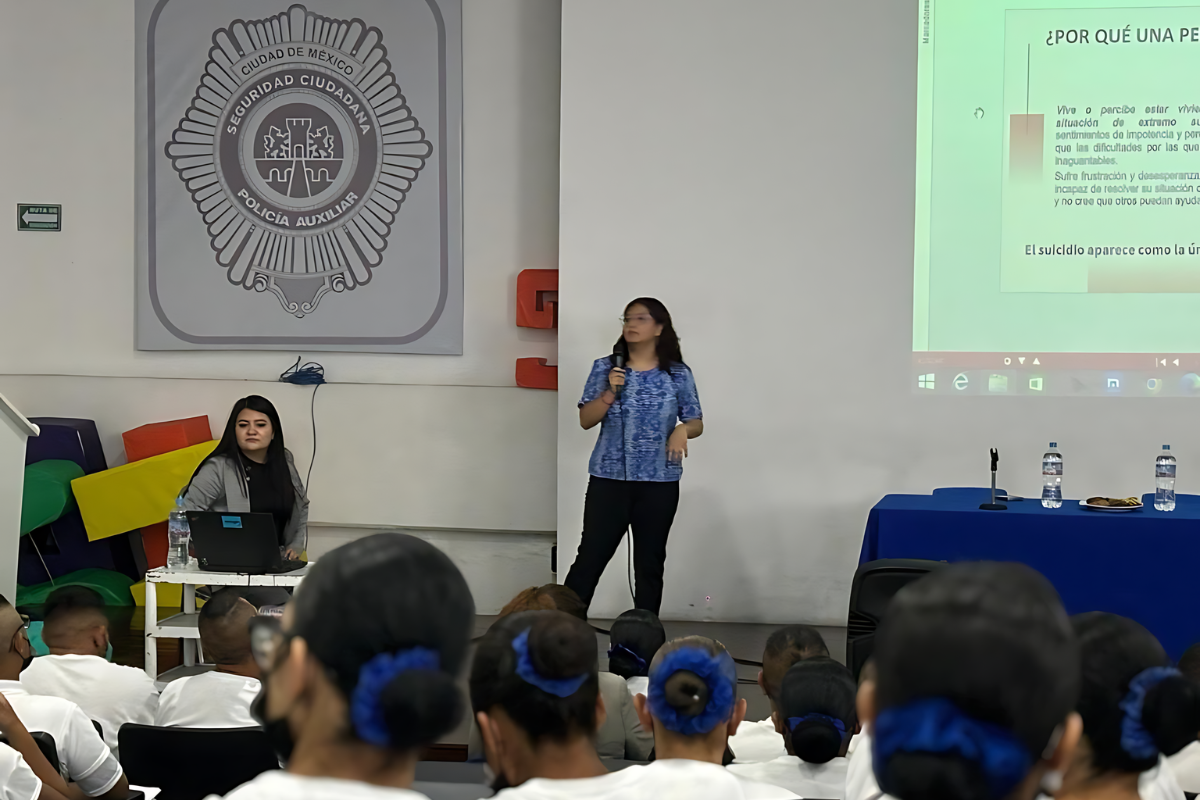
642	419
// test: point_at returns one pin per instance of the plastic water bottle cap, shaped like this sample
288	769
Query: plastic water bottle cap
1166	447
1054	444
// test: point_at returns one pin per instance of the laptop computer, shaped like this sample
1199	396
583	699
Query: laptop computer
229	541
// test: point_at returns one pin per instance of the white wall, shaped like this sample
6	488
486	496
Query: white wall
450	440
15	430
750	163
496	564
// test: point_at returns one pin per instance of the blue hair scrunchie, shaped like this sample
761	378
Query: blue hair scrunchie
814	717
620	648
718	673
366	710
559	687
935	725
1135	739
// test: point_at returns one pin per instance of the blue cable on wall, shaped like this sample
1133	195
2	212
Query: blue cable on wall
310	374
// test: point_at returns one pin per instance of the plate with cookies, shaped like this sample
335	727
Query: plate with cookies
1112	505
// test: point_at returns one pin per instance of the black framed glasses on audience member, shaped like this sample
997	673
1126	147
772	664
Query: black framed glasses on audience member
12	645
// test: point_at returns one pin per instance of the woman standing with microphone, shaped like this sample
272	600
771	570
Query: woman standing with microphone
645	399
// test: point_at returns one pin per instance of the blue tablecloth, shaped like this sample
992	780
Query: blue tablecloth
1142	564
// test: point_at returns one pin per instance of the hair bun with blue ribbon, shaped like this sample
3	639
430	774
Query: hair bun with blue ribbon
366	706
1136	740
622	649
936	726
719	675
526	671
794	722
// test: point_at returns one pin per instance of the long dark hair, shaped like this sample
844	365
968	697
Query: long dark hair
667	349
277	467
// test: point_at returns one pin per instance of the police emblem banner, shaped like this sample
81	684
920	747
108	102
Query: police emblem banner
299	175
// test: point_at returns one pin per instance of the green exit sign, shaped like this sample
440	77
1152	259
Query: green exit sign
39	217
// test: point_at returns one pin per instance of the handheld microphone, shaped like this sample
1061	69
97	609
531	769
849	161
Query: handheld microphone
620	355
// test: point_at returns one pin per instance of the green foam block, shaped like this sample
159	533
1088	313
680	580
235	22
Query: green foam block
47	494
112	586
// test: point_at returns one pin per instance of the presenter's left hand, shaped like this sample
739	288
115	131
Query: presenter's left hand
677	445
290	555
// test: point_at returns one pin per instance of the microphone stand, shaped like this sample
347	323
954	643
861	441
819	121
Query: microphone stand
994	506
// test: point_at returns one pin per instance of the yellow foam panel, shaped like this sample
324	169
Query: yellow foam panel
135	495
169	595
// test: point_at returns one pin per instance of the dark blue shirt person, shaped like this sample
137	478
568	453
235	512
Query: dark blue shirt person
633	434
644	399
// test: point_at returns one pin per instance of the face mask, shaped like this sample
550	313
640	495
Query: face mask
108	652
27	660
278	732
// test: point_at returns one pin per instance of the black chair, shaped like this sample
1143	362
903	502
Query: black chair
451	772
45	743
217	761
875	584
49	750
452	791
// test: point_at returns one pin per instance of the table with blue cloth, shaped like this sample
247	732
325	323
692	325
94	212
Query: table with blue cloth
1143	564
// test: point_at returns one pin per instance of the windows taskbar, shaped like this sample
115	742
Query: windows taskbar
1057	374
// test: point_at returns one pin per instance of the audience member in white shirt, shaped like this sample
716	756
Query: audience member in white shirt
757	742
360	674
1186	766
76	631
221	698
535	693
1136	708
21	779
860	777
977	676
1186	763
817	720
83	757
633	639
17	780
692	707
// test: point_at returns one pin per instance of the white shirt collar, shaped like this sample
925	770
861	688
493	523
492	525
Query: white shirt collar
12	687
73	656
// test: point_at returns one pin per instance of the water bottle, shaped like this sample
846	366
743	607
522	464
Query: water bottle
1052	478
1164	480
178	537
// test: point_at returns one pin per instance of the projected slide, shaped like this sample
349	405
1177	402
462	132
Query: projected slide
1058	198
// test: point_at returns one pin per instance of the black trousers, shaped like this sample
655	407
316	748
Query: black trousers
648	507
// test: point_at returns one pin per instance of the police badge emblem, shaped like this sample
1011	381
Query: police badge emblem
298	151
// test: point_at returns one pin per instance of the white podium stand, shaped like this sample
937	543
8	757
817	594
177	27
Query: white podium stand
14	430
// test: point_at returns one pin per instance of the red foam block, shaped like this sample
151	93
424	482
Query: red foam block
533	373
154	542
163	437
534	309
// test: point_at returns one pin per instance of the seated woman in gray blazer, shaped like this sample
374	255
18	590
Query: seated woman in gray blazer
252	471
